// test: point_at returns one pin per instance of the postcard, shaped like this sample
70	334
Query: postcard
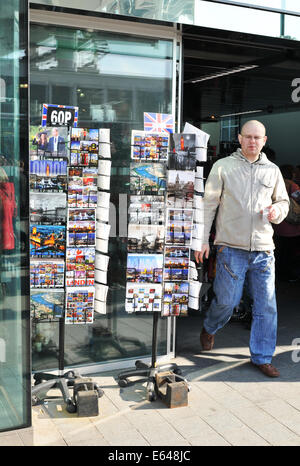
179	226
48	208
182	155
47	274
47	305
80	305
147	210
147	178
50	141
104	135
199	185
104	167
80	266
103	230
83	159
100	307
180	188
202	139
48	168
158	122
47	240
175	298
103	182
81	214
84	134
101	292
101	276
143	297
149	146
145	238
102	214
176	263
103	199
144	268
105	150
102	245
101	261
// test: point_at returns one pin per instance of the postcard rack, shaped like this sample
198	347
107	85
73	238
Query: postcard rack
63	203
154	259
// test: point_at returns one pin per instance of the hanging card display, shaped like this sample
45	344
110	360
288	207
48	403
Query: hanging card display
175	298
48	208
147	178
179	227
143	297
47	274
144	268
182	155
47	241
149	146
158	122
176	263
47	305
80	266
180	190
80	305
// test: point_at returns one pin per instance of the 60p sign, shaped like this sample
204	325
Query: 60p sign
59	115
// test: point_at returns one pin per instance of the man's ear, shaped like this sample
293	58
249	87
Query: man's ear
240	138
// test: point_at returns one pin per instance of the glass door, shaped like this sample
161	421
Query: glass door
113	77
15	403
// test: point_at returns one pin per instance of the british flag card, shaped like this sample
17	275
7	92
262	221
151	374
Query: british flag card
158	122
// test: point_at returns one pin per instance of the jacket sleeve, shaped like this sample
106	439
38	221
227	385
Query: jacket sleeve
280	199
212	195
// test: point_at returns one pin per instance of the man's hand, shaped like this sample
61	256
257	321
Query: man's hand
204	253
272	214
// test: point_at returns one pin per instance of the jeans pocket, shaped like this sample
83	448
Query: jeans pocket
230	271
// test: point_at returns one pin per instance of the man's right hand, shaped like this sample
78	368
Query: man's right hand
204	253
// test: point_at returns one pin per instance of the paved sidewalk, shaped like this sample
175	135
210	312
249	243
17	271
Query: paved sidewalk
230	403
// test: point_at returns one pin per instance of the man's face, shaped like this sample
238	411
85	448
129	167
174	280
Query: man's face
55	133
252	139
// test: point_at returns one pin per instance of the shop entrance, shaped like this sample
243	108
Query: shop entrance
230	78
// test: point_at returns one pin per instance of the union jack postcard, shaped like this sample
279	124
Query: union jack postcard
158	122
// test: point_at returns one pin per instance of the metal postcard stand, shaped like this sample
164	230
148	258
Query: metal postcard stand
150	370
44	381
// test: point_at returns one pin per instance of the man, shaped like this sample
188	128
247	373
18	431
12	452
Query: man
249	193
56	142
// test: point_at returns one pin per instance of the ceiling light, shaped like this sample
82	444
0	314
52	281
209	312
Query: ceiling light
240	113
239	69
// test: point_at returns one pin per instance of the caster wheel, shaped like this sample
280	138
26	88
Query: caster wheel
151	396
178	371
71	407
123	383
34	400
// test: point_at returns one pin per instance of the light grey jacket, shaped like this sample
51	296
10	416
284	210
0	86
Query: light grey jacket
239	190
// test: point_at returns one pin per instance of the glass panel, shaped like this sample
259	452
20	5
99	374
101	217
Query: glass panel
283	5
234	18
14	268
163	10
113	78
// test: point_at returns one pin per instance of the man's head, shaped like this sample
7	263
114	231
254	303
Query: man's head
252	139
55	132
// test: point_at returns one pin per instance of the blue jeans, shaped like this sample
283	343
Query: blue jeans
231	269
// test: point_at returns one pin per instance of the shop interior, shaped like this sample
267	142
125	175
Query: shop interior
230	78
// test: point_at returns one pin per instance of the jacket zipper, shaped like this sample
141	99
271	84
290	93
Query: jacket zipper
251	199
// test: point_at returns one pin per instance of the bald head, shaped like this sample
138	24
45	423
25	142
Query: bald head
249	125
252	139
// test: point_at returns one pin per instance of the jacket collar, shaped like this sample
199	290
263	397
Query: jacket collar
262	159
